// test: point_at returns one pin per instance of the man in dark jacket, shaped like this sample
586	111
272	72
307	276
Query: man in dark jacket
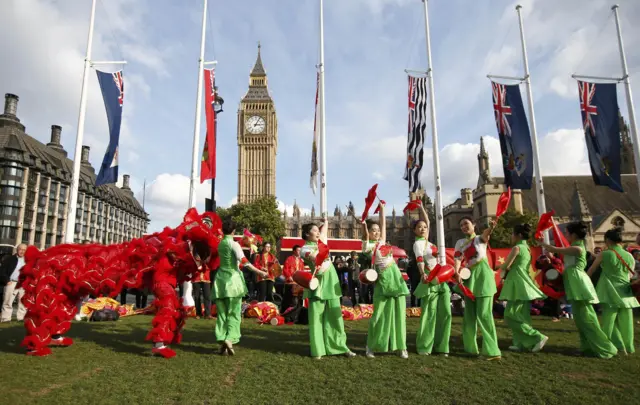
9	274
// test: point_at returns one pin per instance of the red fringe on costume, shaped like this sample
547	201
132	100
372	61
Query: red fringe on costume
57	279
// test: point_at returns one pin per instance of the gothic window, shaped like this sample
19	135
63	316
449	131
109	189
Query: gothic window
479	209
618	222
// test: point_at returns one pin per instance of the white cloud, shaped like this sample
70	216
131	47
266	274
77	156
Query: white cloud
233	201
378	176
167	199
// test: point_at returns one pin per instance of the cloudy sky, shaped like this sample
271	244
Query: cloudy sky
369	44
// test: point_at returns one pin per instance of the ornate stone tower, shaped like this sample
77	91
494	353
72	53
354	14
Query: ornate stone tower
257	139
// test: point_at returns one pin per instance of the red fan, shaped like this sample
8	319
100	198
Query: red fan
323	253
368	202
545	222
503	203
379	205
412	205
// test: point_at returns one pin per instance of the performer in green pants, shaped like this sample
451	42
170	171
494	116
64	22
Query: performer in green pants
614	291
472	250
434	330
326	326
388	325
229	288
581	294
519	290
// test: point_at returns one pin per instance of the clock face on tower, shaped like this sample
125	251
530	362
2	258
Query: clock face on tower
255	125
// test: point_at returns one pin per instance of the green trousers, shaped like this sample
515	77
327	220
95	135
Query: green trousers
617	324
326	328
228	319
518	317
388	325
435	323
593	341
479	312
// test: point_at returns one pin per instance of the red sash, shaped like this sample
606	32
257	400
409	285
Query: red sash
623	262
469	251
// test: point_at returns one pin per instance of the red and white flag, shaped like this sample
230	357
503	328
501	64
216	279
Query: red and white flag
208	163
316	136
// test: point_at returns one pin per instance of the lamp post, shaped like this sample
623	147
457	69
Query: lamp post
217	107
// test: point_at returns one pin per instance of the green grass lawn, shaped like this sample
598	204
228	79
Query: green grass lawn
111	364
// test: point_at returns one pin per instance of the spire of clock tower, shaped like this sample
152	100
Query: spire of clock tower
258	68
257	138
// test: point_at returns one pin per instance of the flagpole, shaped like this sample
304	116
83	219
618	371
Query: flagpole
436	152
75	182
542	208
323	143
627	86
196	130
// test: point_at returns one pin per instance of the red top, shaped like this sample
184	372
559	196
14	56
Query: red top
204	276
291	265
265	262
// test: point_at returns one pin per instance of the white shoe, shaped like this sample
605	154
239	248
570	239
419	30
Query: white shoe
514	348
317	358
78	317
229	347
370	354
540	344
349	354
404	354
424	354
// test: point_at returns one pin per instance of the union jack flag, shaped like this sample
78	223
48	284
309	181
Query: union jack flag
599	109
501	109
587	91
513	131
112	86
117	78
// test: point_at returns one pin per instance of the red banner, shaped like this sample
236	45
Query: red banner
208	163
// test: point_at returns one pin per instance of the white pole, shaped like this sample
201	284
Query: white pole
75	182
627	86
434	137
532	124
323	135
196	130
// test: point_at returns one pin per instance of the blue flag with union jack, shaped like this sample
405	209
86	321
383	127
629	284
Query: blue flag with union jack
112	86
515	140
599	107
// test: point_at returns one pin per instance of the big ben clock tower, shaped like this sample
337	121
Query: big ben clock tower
257	139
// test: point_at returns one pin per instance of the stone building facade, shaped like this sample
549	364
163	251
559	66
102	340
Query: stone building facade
571	197
35	185
257	138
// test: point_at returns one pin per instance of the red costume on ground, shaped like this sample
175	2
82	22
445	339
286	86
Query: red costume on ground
56	279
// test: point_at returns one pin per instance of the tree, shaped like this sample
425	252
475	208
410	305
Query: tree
261	217
501	237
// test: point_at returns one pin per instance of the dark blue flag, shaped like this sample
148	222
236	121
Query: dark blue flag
599	106
515	141
112	87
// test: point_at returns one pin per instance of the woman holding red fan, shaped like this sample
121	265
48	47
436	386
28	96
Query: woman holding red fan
472	250
519	290
388	325
581	294
435	300
326	326
614	291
